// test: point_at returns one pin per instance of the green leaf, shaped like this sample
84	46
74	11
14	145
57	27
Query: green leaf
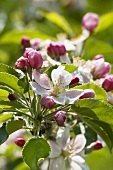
9	90
3	134
70	67
59	20
94	46
105	22
94	109
102	129
100	92
11	81
18	73
8	69
14	125
15	36
35	149
49	70
3	94
5	117
10	104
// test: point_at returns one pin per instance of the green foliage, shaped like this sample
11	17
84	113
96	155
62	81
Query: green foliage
35	149
98	115
3	134
5	117
14	125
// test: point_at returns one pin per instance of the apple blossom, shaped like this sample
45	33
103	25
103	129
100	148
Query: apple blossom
65	153
57	87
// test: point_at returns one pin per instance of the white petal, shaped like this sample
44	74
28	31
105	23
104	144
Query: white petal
38	89
65	59
60	99
58	164
44	164
63	136
52	62
55	149
78	160
42	79
61	77
72	96
78	143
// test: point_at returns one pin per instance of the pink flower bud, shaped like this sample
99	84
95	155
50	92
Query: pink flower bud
25	42
26	52
60	118
90	21
97	145
56	49
74	81
21	63
101	68
107	83
20	141
47	102
11	97
98	57
35	59
88	93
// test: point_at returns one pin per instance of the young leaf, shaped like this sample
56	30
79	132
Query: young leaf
100	92
3	94
14	125
70	67
10	104
11	81
102	129
3	134
35	149
94	109
5	117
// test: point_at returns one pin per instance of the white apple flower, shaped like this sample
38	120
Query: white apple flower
65	153
57	88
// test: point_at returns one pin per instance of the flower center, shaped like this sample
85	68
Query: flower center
55	91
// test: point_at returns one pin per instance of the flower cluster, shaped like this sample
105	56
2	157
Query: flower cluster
53	89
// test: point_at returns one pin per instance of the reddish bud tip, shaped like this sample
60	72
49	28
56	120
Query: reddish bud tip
88	93
20	142
25	42
97	145
108	83
74	81
11	97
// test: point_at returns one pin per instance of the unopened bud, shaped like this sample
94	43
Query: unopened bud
35	59
98	57
60	118
88	93
25	42
35	42
90	21
101	68
21	63
74	81
97	145
27	50
56	49
47	102
108	83
11	97
20	141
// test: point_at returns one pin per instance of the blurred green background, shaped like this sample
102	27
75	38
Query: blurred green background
47	19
